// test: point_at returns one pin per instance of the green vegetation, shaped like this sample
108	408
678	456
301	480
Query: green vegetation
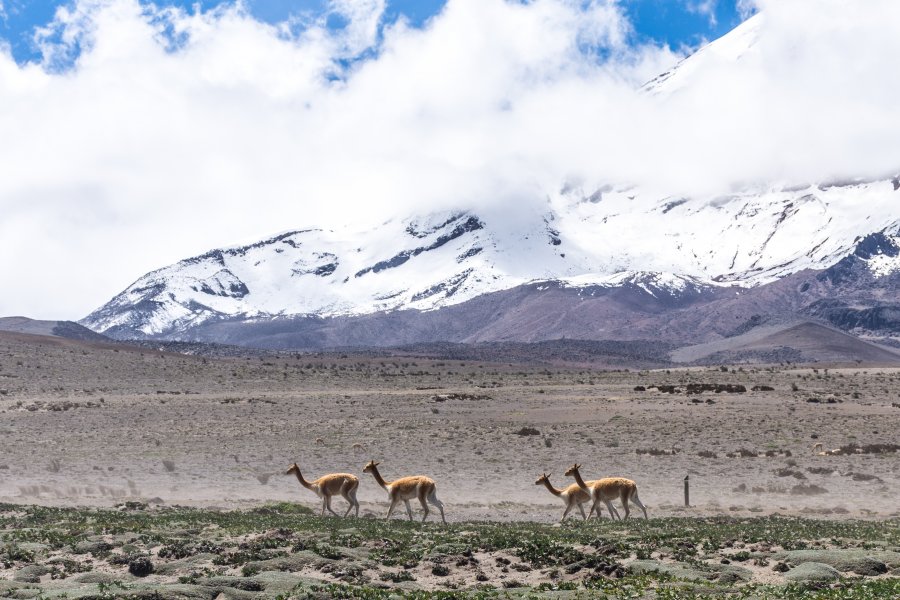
284	551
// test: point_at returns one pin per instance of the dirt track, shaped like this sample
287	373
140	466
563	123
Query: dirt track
96	425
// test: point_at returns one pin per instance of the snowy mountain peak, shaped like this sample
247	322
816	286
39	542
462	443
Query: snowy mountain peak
613	237
721	54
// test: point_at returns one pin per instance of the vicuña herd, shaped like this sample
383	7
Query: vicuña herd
425	491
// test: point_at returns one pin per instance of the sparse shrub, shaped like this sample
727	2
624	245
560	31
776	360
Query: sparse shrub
544	552
865	477
808	490
787	472
820	470
398	577
176	550
528	431
14	553
140	566
249	570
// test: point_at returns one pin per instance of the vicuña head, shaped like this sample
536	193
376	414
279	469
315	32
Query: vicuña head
293	469
371	466
571	470
542	480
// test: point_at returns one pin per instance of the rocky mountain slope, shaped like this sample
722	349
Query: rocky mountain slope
64	329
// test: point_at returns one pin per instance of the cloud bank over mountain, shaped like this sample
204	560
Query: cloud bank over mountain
150	133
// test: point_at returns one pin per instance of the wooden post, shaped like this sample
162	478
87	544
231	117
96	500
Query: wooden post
687	491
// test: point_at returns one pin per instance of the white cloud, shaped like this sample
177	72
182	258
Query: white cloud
177	131
363	18
746	8
707	8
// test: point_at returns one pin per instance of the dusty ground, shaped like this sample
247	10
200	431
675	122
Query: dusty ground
94	425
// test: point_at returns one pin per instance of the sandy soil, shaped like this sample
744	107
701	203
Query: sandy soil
84	424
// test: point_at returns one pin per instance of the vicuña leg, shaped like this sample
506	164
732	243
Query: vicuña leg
566	512
638	503
595	506
421	496
328	506
408	509
432	498
348	492
581	508
394	503
623	498
613	513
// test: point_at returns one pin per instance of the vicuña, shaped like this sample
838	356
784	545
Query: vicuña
326	486
407	488
607	489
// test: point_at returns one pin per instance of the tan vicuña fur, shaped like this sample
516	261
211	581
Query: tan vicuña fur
407	488
572	496
334	484
607	489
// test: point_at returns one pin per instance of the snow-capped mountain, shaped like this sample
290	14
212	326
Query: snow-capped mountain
581	244
606	238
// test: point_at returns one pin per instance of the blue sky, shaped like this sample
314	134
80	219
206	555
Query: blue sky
674	22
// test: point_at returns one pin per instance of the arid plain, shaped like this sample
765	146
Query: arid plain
96	425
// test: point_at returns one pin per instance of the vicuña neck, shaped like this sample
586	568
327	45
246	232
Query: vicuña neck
302	481
552	489
577	475
381	481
